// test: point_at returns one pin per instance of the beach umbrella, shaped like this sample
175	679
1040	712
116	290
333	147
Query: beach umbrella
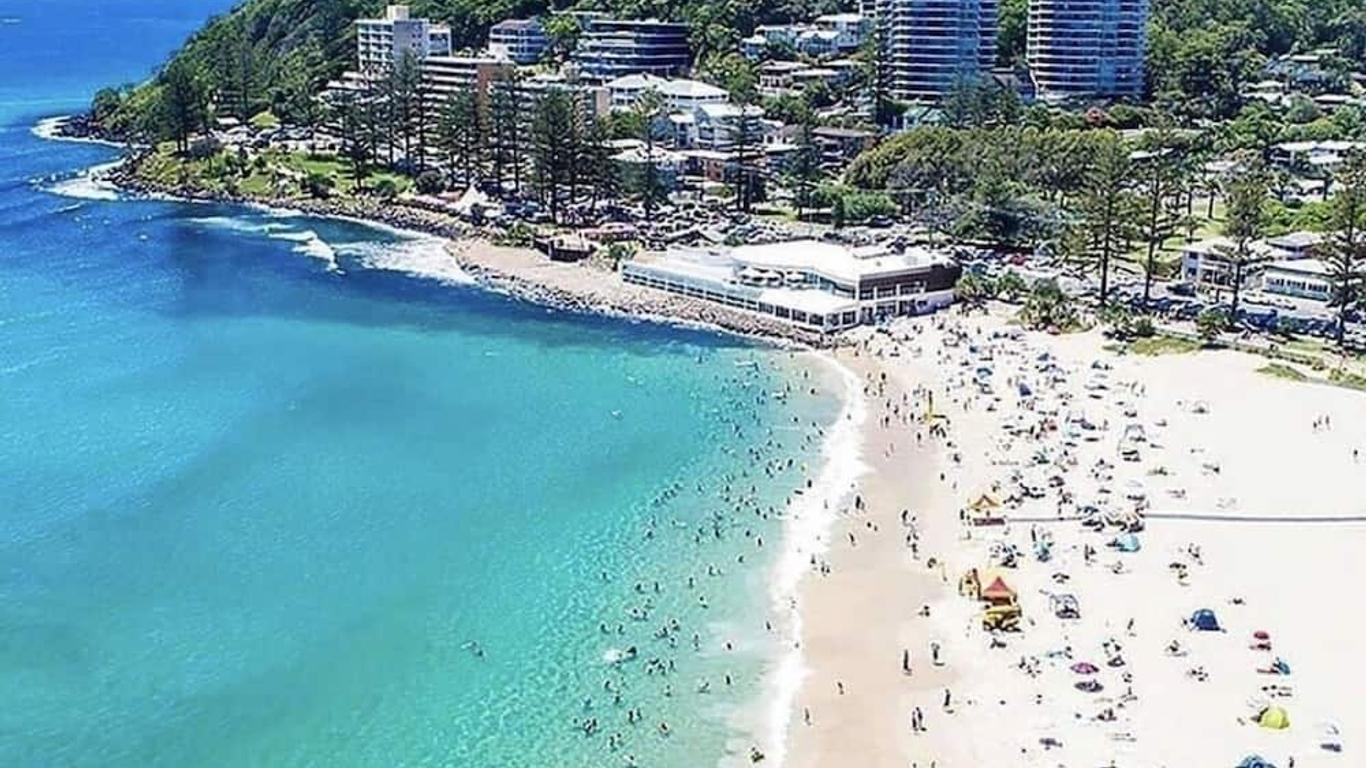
1255	761
1261	634
1085	668
1089	686
1274	718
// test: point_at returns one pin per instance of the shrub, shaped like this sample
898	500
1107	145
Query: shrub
1210	323
319	184
430	183
386	188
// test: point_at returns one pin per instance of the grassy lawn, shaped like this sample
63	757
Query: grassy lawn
272	172
1162	345
1283	371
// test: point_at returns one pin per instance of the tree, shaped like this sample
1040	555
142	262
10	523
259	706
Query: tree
554	149
1107	207
1209	324
1246	219
296	99
407	111
1347	244
806	169
507	130
647	109
460	134
562	30
234	68
1161	180
183	106
1047	307
351	114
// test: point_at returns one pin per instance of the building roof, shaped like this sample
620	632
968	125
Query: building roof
722	111
837	261
692	89
517	24
1307	267
635	82
1294	241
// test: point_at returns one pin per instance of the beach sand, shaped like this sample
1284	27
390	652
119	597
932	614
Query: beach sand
1222	440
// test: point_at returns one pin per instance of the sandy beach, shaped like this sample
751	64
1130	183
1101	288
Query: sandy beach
1240	492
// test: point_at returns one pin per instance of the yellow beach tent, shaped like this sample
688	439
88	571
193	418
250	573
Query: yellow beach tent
1275	718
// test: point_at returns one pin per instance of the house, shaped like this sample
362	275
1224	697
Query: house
676	95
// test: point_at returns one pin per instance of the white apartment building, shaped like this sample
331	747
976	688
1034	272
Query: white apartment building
382	42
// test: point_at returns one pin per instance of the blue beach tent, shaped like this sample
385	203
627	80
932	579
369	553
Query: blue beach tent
1127	543
1205	620
1255	761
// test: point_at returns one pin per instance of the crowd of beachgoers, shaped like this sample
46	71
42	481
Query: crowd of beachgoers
1065	556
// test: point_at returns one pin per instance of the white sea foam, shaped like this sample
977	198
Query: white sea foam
806	531
48	126
89	184
424	257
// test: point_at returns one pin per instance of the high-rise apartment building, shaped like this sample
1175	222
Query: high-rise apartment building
1087	48
929	45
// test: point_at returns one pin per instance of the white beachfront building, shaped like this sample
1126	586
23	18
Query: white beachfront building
1299	278
812	284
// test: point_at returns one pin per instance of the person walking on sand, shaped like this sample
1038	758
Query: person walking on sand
905	661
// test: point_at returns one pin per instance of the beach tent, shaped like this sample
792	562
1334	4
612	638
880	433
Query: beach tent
998	592
1085	668
1205	620
1274	718
1126	543
1255	761
984	502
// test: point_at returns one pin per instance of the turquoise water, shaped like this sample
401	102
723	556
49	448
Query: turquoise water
277	490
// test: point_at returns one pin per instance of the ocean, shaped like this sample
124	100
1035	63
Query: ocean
284	490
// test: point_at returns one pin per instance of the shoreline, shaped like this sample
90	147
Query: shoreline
519	273
809	518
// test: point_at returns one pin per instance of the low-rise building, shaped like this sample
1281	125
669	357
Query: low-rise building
718	126
1299	278
1208	262
519	40
811	284
675	95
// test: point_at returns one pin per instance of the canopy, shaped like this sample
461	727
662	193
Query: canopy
1085	668
985	501
1205	620
998	590
1274	718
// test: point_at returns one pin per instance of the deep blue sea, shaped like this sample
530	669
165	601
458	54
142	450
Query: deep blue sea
278	490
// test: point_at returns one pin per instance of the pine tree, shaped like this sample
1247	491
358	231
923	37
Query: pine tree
1107	207
183	106
1247	194
1347	243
